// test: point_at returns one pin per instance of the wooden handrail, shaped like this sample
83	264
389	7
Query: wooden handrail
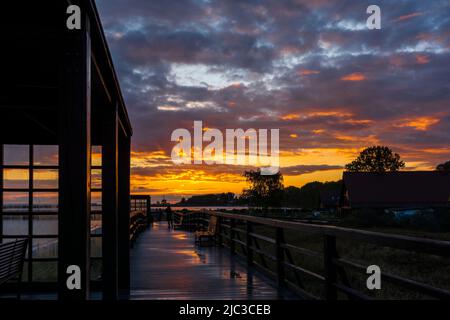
231	229
138	222
422	245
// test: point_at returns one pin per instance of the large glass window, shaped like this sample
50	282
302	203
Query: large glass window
29	193
29	206
96	213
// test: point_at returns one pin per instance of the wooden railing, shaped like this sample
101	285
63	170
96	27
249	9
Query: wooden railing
193	220
138	223
274	255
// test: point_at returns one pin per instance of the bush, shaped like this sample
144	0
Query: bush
436	221
370	218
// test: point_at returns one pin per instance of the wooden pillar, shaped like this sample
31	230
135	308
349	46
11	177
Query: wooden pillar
232	236
75	160
220	231
330	253
280	256
110	201
248	241
149	211
1	193
124	215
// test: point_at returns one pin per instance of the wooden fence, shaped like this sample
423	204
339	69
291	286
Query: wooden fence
240	234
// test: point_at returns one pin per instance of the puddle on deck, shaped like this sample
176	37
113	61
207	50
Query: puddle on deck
165	264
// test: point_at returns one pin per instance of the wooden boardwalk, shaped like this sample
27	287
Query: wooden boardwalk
165	264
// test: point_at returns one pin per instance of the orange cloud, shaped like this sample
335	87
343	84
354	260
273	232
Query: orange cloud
356	76
409	16
339	114
358	121
422	59
436	150
372	139
291	116
346	138
421	123
306	72
294	135
317	114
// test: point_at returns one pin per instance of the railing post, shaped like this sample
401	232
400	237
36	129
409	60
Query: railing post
232	243
280	256
149	211
219	232
330	253
248	242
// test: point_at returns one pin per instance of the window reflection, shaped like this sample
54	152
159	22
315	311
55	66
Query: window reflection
18	219
15	202
45	179
96	178
15	225
96	201
45	248
16	154
45	224
45	202
16	178
45	155
96	155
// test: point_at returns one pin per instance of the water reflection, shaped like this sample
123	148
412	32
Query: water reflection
179	236
190	253
167	264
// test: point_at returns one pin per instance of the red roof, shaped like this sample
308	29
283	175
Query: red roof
412	189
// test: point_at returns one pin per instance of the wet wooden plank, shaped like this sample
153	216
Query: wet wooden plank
165	264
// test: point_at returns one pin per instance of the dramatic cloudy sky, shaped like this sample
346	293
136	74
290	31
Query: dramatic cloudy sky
308	67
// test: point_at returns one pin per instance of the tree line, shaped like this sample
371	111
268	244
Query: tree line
268	191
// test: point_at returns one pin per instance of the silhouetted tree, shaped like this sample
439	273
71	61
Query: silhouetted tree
221	199
376	159
444	166
265	190
308	196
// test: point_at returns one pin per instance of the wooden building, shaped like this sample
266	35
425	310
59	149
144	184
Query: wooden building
404	189
59	89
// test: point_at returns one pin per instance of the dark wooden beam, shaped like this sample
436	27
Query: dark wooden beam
1	193
101	79
75	160
124	214
110	200
105	63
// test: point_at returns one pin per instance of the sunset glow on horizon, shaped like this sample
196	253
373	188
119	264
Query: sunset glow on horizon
308	68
